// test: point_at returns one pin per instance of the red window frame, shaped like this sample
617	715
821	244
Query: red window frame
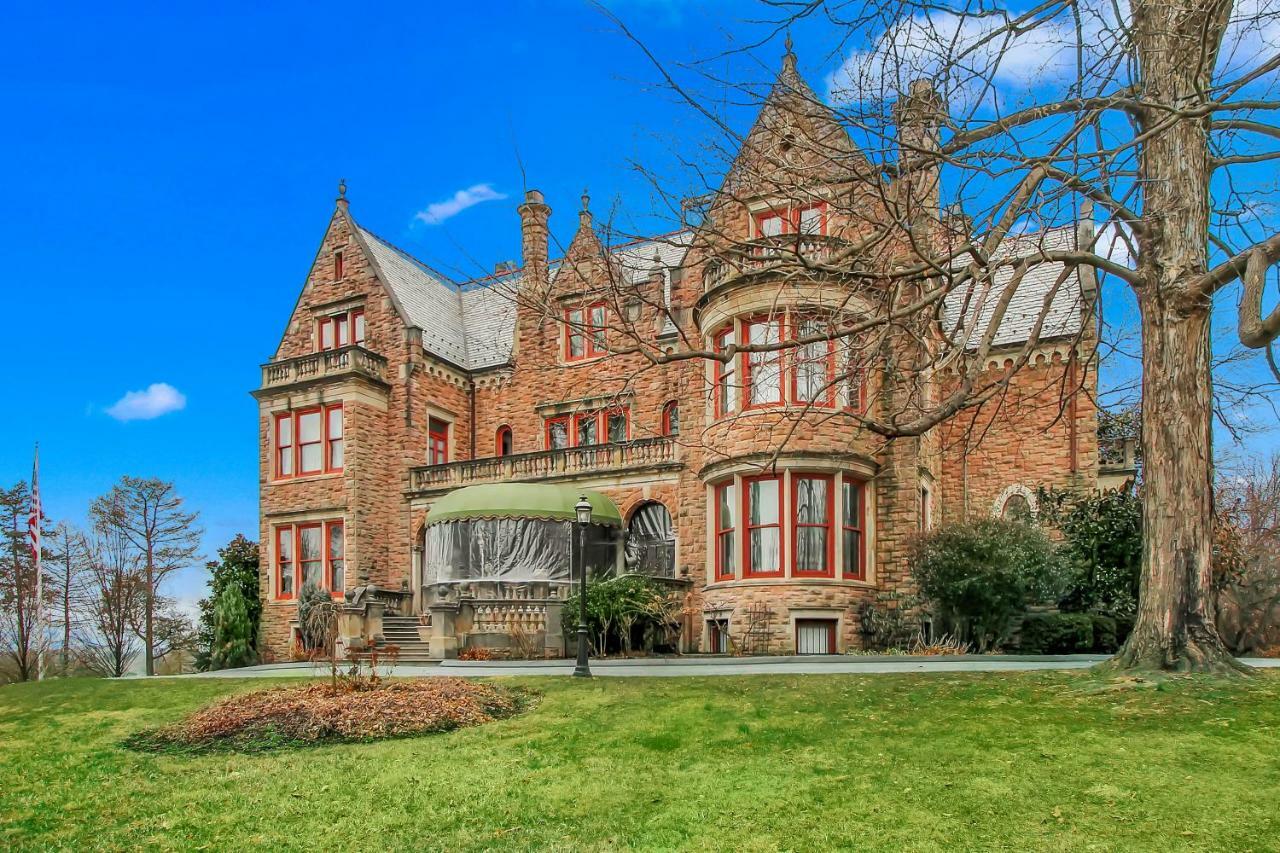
671	418
285	565
723	532
607	416
437	441
332	443
790	216
284	450
592	418
345	329
858	406
335	589
588	329
859	528
300	444
828	395
337	265
828	525
775	358
724	373
568	431
748	570
504	432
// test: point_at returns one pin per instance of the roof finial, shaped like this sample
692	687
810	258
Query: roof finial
342	189
788	44
586	199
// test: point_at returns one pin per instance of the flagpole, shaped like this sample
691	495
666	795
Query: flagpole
34	525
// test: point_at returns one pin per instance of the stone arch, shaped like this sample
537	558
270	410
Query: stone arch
1015	501
651	540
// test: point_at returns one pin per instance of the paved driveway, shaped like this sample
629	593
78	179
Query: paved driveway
703	666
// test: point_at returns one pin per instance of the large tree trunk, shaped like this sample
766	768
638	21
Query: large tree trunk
1176	42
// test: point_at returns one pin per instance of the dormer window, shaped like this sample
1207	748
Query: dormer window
341	330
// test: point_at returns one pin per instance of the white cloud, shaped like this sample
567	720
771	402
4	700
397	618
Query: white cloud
439	211
158	399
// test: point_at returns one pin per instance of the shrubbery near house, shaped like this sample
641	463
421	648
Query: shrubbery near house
313	625
620	609
1102	545
232	631
981	576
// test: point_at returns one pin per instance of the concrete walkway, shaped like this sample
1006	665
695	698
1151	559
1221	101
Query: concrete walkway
707	666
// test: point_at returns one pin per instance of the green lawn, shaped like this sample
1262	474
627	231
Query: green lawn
1010	761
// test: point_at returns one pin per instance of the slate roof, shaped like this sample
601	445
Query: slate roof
1064	316
472	324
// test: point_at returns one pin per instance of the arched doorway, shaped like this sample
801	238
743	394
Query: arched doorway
651	542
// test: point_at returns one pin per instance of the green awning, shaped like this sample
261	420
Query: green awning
521	500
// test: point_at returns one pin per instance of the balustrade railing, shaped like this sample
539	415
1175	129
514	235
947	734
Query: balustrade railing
318	365
765	253
546	464
1118	455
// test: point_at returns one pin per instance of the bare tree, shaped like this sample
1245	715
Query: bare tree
115	600
18	640
68	562
1249	574
149	514
953	145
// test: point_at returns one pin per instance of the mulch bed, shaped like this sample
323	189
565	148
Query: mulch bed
327	713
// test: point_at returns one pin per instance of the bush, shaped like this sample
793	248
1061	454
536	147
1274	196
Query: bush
1105	641
620	608
310	623
1102	542
890	621
981	576
1057	634
232	631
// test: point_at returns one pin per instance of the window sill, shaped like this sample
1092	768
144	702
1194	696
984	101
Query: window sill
306	478
764	408
774	580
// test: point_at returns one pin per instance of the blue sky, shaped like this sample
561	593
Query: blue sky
170	168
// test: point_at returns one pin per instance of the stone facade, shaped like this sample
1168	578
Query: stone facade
406	374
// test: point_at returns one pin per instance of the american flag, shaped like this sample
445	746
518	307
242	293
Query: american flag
33	533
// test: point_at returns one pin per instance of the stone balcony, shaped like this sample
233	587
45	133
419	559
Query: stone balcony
572	463
785	253
344	362
1118	461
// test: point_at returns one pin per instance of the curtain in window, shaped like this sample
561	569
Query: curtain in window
651	542
765	540
812	524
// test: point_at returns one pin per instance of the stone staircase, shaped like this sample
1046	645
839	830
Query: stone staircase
402	631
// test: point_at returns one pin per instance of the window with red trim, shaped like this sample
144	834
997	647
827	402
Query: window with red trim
337	265
341	330
814	365
726	548
333	438
763	378
437	441
671	418
617	426
284	562
771	223
853	528
726	391
586	429
762	511
502	441
799	219
310	441
584	332
357	327
558	432
813	514
284	445
313	552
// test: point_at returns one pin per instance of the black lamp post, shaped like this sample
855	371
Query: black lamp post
583	510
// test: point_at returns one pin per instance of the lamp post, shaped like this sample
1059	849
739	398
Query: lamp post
583	510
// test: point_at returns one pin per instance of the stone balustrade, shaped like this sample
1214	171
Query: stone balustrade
545	465
785	252
344	361
1118	455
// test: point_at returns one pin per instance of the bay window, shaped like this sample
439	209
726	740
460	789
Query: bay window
813	511
726	544
308	441
853	528
726	391
310	552
815	366
763	514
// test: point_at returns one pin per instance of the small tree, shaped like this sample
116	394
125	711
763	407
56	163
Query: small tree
113	604
232	632
311	597
237	565
1102	544
981	576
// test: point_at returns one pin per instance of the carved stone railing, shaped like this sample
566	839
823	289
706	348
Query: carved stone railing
547	464
1118	455
346	361
785	252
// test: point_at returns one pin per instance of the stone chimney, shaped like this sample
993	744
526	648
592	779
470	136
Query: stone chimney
534	235
919	115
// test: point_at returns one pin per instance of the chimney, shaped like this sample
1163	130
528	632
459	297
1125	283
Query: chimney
534	214
919	115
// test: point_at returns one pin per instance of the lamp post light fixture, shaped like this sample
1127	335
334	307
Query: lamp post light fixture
583	510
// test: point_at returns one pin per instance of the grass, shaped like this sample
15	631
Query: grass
1041	761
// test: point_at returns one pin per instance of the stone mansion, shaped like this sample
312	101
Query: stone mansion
752	480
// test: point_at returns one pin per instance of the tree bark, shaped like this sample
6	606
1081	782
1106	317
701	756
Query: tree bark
1176	43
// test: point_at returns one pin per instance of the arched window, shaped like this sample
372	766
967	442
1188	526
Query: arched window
1016	503
651	542
502	444
671	418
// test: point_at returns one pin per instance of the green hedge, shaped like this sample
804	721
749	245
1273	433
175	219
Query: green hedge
1058	634
1105	641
